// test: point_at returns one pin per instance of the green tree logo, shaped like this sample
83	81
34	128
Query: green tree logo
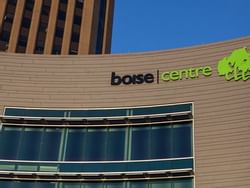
235	66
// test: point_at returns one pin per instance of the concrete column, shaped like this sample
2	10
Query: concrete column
34	27
51	27
3	6
106	46
88	26
68	27
16	25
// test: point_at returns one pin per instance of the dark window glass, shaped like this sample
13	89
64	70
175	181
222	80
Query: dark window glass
25	184
26	22
7	24
75	144
161	184
61	15
175	183
42	28
95	144
59	32
75	35
162	109
50	144
30	144
98	113
183	183
9	142
139	184
77	20
182	140
93	185
152	141
100	31
25	25
116	144
116	185
5	36
140	143
71	185
161	142
6	184
34	112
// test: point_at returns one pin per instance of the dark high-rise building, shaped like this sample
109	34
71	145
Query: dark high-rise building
56	26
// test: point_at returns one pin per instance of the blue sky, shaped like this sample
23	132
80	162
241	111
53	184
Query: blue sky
145	25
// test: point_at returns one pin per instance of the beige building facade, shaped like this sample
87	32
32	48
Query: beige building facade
221	108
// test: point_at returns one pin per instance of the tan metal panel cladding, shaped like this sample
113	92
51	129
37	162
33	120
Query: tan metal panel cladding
3	6
221	108
34	27
16	26
51	27
89	25
106	46
68	27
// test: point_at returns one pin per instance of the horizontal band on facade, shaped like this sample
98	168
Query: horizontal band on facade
126	176
80	122
98	167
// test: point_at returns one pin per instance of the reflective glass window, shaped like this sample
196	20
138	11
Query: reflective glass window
95	144
162	109
174	183
116	185
93	185
75	144
26	184
34	112
161	145
98	113
71	185
50	144
9	143
6	184
116	144
30	144
140	144
182	140
183	183
139	184
161	184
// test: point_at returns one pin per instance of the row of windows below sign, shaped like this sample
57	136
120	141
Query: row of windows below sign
96	144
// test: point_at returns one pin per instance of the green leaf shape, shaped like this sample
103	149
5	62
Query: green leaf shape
224	67
242	59
238	59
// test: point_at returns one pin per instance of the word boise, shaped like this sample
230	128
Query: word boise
131	79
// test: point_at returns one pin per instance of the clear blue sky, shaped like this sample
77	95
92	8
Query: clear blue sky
145	25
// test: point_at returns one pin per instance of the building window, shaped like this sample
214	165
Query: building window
100	30
75	35
25	26
178	183
42	28
61	16
7	25
102	142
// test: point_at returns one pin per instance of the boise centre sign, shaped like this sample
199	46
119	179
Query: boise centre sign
236	67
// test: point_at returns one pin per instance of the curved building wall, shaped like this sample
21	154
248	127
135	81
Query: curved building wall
220	107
